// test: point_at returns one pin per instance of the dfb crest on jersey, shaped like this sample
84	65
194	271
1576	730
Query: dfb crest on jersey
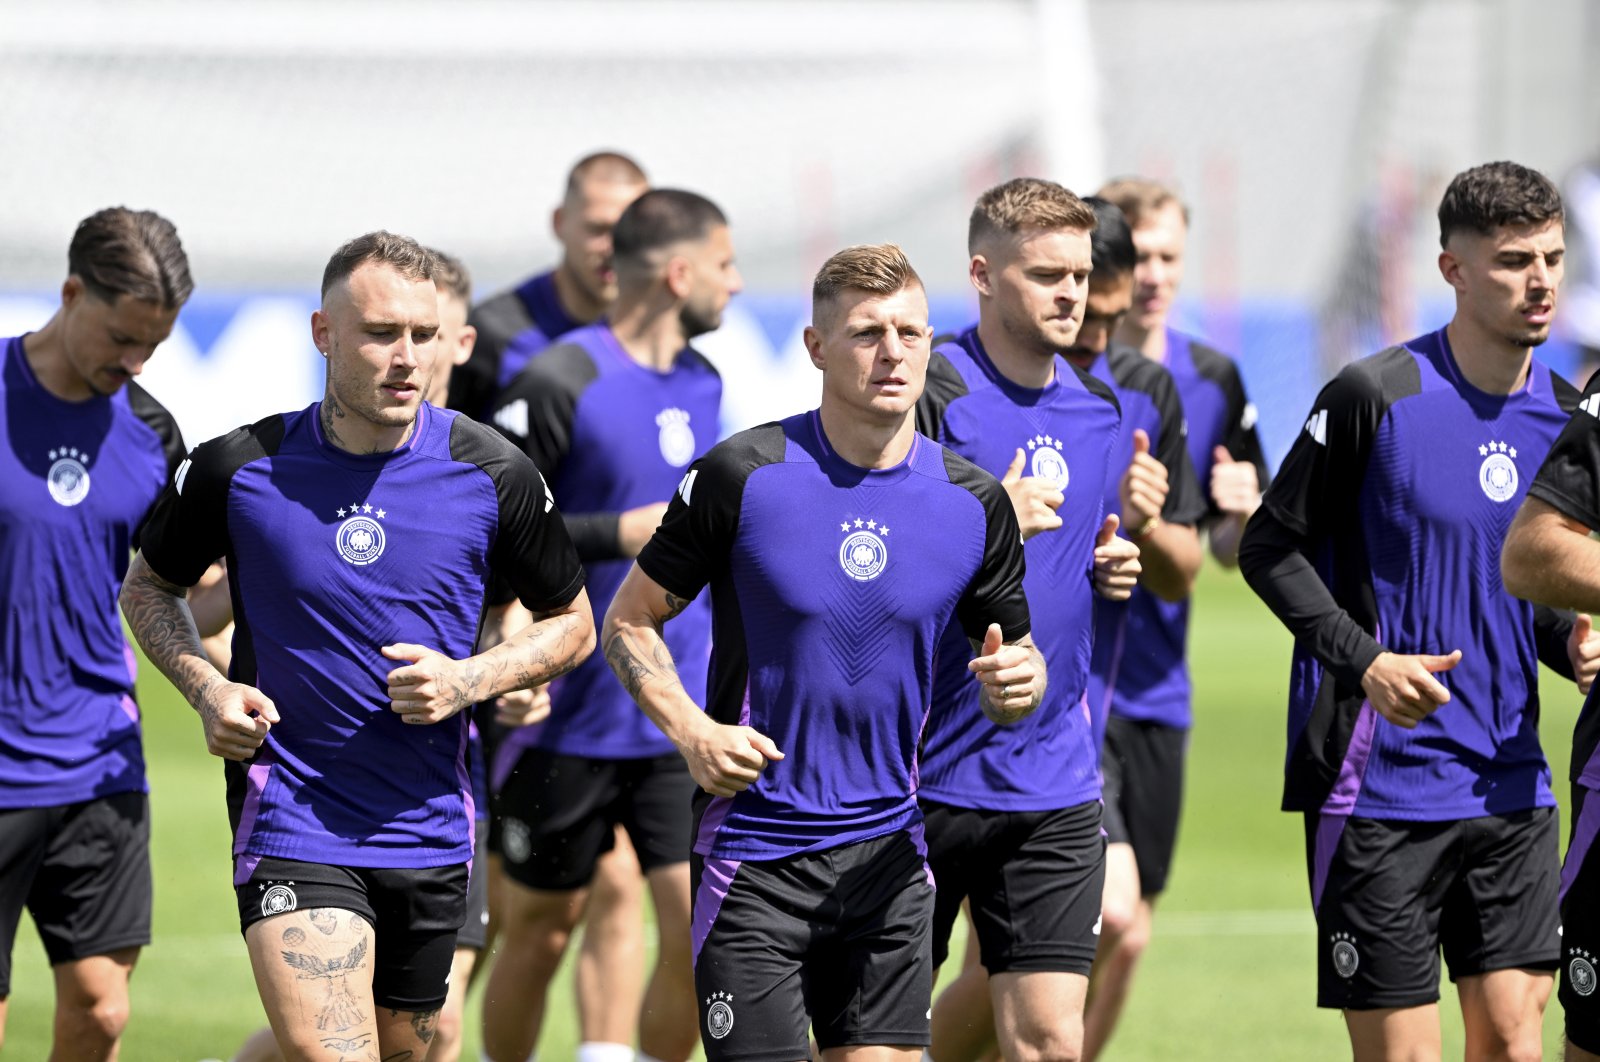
1497	475
719	1015
68	478
677	438
1345	956
360	538
1580	971
277	899
863	553
1047	462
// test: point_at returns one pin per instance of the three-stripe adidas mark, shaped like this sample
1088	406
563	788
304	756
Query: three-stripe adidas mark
1317	427
1591	405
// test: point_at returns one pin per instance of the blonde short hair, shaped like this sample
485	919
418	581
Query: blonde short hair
1140	198
1026	203
877	269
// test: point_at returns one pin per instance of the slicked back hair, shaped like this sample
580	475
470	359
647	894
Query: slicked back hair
877	269
1111	244
604	166
407	257
117	251
450	275
1140	198
1494	195
661	218
1025	203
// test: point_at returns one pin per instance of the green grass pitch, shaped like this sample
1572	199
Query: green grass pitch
1229	975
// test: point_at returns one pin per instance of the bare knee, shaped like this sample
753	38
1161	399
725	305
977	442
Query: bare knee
101	1021
1047	1044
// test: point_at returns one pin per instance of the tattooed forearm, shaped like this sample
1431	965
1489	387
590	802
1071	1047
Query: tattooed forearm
543	650
630	670
158	615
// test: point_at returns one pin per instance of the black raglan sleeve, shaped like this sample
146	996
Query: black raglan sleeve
695	539
1239	435
1313	492
536	412
156	417
187	528
1186	502
995	594
944	385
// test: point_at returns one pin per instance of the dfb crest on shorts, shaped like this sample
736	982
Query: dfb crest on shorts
360	538
516	839
277	898
863	552
1345	956
719	1015
68	478
677	438
1046	461
1580	971
1498	473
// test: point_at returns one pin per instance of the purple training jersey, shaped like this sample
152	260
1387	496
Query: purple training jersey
1138	667
512	327
1398	494
76	480
830	588
610	435
332	556
1068	431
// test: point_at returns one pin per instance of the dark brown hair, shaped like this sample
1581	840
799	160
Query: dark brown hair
408	257
1494	195
117	251
450	275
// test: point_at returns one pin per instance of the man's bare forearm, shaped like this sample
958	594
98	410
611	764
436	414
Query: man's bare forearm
1170	556
1224	536
636	649
159	617
1550	559
549	647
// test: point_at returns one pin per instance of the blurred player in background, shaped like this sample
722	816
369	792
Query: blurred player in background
1159	503
84	453
1413	746
358	611
612	416
813	896
515	325
1013	812
512	327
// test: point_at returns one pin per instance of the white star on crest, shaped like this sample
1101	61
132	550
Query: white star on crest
355	507
381	514
1483	451
341	512
884	530
1048	441
366	508
844	525
1032	443
858	523
52	455
1513	451
872	523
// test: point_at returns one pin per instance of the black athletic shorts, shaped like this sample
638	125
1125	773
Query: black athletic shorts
415	914
1390	894
475	930
1143	767
490	735
1034	879
834	942
1580	924
559	815
83	872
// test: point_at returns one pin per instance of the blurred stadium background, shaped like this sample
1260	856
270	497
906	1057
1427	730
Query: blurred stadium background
1312	138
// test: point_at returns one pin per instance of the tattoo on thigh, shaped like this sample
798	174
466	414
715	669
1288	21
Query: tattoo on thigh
425	1022
294	936
338	1010
358	923
355	1043
325	920
399	1056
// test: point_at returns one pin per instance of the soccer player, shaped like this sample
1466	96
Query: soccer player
360	535
85	454
838	544
1413	702
1549	557
612	416
1159	503
512	327
1013	812
515	325
1224	446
